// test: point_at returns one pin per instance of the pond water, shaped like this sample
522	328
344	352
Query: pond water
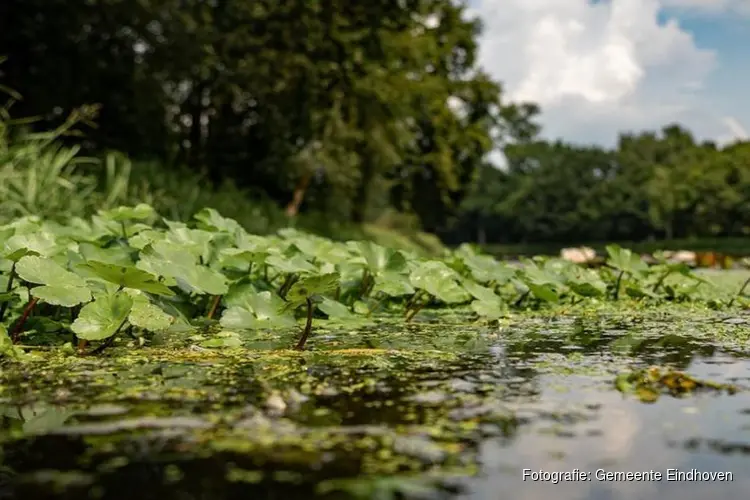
432	410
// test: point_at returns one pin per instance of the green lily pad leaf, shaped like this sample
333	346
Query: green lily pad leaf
171	261
20	245
393	285
195	241
5	233
334	309
541	277
62	295
256	310
585	282
245	319
480	292
238	317
380	259
311	286
210	219
238	293
117	255
6	345
489	309
235	258
544	292
45	271
127	276
484	269
586	289
144	238
145	315
140	212
440	281
623	259
317	248
201	279
100	319
264	305
294	265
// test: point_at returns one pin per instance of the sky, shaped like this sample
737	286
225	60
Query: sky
601	67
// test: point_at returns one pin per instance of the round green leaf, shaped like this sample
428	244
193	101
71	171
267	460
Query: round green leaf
65	296
145	315
45	271
100	319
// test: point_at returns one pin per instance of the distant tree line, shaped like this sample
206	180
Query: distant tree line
651	186
352	109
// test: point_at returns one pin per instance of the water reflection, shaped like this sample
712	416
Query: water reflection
538	395
709	434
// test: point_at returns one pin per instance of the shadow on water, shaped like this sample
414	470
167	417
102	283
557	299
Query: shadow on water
427	411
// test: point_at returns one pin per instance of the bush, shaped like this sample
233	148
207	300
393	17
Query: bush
39	175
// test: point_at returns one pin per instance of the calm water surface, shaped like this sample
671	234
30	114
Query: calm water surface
471	407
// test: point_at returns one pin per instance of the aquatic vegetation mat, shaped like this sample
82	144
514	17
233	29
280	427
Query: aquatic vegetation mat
128	273
144	357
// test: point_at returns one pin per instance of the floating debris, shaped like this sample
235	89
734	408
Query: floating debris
648	384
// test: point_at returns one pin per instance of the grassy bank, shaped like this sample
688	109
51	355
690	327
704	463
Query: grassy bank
39	176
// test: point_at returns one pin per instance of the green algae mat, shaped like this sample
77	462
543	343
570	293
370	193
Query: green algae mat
149	358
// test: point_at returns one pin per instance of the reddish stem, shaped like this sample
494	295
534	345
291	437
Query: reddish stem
19	325
308	326
214	306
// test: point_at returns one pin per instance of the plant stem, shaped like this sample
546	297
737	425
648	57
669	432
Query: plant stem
19	325
214	306
288	282
661	280
124	232
370	286
365	282
413	312
376	305
521	298
617	285
110	340
8	288
308	326
742	290
412	301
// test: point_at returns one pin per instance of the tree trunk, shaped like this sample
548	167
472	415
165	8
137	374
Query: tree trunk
292	209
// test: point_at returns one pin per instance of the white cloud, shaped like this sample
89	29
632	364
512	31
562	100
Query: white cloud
711	6
598	68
